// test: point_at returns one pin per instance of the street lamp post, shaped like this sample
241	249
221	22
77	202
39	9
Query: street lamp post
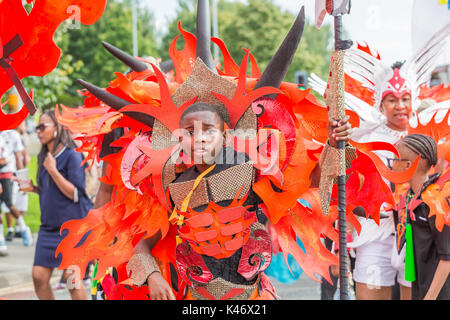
215	27
134	26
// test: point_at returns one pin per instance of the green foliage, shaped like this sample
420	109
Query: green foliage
48	90
33	215
261	26
83	55
114	27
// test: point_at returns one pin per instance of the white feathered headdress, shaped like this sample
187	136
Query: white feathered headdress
382	79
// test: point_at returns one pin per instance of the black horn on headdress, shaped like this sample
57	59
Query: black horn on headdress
108	98
277	68
204	34
130	61
116	102
166	66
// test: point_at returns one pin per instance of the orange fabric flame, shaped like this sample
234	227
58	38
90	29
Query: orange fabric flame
437	197
38	58
438	93
308	225
183	60
436	130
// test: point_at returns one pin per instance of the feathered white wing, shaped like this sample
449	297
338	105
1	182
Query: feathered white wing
418	69
370	71
438	110
366	112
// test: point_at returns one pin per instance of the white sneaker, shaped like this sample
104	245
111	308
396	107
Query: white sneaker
59	286
3	249
27	237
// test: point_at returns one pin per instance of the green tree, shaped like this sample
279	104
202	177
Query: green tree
53	87
83	55
261	26
114	27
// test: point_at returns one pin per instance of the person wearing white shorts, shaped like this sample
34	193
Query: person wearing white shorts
20	200
377	264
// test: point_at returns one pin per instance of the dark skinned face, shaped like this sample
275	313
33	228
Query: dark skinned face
46	129
407	157
202	136
397	111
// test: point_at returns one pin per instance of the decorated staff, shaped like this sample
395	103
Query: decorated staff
333	160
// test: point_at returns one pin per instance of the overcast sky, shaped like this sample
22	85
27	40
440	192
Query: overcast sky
384	24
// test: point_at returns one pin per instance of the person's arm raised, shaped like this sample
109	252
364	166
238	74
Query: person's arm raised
64	185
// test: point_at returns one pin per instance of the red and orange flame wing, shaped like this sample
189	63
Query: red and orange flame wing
183	60
290	219
438	93
309	225
437	197
32	57
436	130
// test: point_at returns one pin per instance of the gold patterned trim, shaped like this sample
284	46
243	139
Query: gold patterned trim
223	186
180	190
141	266
218	287
226	184
331	167
162	138
202	82
247	124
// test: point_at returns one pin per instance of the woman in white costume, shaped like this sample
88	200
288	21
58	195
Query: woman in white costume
379	262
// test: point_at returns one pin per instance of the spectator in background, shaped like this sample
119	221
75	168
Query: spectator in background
20	199
11	148
3	247
62	197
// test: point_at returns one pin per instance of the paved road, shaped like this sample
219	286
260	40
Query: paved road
16	281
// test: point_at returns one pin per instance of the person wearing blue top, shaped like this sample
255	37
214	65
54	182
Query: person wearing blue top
62	197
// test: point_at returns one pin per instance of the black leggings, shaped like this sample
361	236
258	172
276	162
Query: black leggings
7	195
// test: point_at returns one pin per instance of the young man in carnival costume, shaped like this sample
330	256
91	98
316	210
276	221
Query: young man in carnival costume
387	100
184	229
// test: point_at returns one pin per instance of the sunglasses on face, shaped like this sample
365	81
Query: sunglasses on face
391	161
42	126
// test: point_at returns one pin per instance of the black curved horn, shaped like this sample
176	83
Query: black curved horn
127	59
108	98
204	34
277	68
166	66
116	103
